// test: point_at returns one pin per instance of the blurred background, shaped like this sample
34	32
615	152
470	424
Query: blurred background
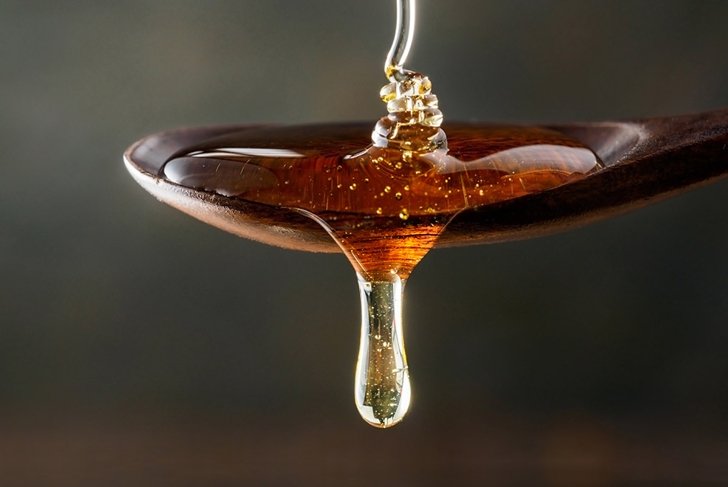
141	347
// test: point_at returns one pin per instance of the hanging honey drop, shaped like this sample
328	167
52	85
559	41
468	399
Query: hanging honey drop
382	388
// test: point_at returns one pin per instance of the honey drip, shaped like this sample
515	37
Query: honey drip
382	391
385	198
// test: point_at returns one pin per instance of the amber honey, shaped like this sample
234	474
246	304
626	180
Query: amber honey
384	206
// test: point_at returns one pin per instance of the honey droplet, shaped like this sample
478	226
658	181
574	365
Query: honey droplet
382	385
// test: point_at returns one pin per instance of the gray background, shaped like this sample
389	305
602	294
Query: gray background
140	347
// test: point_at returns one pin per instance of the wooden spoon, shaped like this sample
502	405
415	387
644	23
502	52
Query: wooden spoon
645	161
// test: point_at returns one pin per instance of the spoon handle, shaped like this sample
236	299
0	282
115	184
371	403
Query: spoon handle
664	157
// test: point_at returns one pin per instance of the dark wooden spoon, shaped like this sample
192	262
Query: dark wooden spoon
646	160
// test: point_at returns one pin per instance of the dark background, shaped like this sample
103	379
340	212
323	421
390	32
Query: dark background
140	347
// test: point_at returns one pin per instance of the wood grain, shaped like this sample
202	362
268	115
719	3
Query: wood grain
646	160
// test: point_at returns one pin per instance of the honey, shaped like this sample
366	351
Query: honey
383	193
